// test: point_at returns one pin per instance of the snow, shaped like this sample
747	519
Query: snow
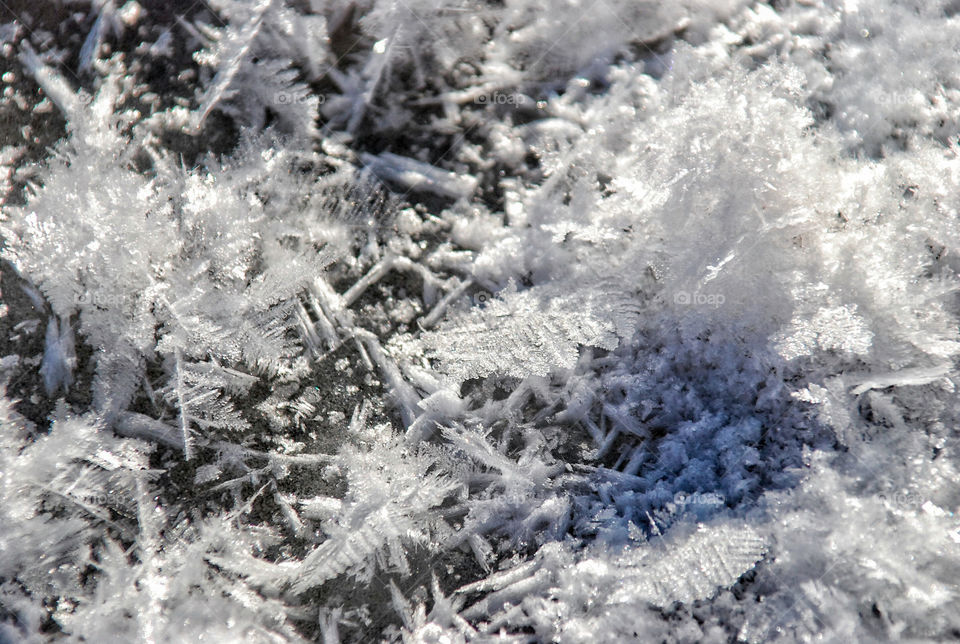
460	321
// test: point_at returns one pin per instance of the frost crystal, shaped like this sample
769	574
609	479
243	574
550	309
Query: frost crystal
466	321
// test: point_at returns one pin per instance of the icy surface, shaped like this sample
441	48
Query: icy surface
468	321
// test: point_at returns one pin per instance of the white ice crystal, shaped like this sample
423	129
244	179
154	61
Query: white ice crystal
463	321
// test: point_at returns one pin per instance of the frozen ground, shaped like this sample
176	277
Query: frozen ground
474	321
